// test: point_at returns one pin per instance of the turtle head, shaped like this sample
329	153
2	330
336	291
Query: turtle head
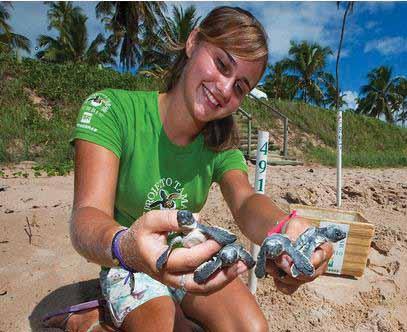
334	234
186	219
229	254
274	247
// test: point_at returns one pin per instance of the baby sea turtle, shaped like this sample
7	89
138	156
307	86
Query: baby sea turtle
276	244
312	238
227	256
193	233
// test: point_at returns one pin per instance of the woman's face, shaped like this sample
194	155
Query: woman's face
215	82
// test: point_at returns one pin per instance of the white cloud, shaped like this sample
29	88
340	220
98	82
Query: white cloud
350	98
373	7
284	21
371	24
315	22
344	54
387	45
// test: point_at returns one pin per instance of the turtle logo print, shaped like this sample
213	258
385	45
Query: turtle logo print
167	201
98	102
166	194
95	105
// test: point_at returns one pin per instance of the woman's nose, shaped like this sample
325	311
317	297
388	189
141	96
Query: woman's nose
225	87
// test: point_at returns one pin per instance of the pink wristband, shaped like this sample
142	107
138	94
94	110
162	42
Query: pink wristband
277	228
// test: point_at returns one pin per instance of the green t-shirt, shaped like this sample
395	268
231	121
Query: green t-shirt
154	173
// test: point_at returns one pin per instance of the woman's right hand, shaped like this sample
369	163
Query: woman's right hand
146	240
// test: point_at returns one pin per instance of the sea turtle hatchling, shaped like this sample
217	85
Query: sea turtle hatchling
227	256
191	234
312	238
276	244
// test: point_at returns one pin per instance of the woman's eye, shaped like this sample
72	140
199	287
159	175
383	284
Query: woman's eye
221	65
239	89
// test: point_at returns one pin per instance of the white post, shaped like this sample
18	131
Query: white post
259	186
339	161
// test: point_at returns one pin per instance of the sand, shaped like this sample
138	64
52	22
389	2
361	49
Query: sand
40	271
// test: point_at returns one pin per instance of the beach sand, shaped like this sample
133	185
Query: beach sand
47	274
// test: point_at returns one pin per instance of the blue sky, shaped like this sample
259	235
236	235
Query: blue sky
376	33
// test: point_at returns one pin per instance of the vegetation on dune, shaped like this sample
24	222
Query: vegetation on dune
39	99
29	135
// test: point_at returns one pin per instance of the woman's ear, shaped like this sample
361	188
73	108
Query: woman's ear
191	43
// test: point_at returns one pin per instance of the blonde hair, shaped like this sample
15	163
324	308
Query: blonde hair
241	34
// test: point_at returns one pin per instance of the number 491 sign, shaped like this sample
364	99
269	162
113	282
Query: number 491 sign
261	161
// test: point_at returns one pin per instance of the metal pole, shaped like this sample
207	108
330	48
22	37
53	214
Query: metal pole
285	138
259	186
339	160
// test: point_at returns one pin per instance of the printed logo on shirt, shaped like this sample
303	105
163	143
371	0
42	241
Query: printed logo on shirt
97	103
167	194
86	117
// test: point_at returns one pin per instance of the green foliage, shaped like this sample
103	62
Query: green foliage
70	84
367	142
27	135
383	95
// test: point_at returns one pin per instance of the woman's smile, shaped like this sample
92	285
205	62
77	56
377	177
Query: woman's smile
210	98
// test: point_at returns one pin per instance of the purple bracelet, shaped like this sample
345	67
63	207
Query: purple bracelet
116	253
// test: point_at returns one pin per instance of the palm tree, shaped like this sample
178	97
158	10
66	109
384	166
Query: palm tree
8	40
159	49
382	95
127	21
307	64
278	84
72	43
333	100
402	89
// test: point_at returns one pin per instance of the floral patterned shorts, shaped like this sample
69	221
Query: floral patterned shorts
123	297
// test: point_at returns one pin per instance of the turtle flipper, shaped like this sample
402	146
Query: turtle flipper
294	271
220	235
260	270
164	256
246	258
303	239
301	262
205	270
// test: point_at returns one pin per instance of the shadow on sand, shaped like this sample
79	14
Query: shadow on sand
63	297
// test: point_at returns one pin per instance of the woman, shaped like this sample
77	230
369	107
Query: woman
136	152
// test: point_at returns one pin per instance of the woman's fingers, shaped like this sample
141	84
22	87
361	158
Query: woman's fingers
322	255
188	259
216	282
283	277
158	221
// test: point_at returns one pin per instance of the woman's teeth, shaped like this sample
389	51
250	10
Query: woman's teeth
210	97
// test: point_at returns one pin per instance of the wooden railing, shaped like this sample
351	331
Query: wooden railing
243	138
280	115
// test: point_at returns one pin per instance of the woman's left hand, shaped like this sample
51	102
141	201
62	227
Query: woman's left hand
288	284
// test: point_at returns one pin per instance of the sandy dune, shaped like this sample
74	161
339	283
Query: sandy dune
47	273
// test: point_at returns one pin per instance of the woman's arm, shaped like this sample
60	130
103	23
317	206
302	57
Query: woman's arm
254	213
92	225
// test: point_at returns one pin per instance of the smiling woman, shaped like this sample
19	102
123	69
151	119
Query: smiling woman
139	155
230	36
